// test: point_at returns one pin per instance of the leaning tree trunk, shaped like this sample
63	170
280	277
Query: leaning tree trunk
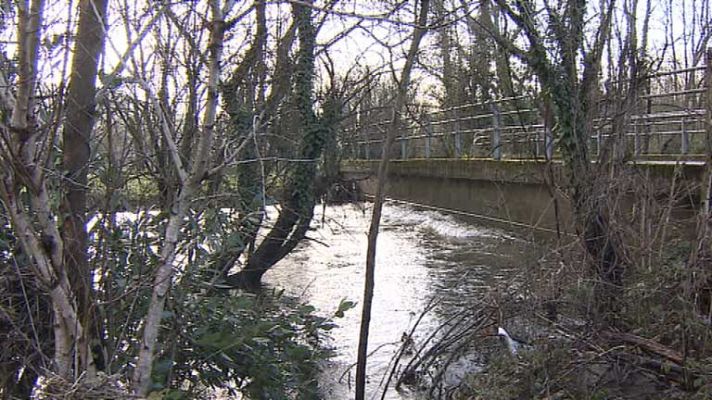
243	99
298	207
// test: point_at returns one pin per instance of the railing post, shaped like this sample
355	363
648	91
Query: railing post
428	137
537	142
458	139
404	147
548	134
496	132
648	111
684	138
636	138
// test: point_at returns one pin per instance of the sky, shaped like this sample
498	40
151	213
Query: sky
374	42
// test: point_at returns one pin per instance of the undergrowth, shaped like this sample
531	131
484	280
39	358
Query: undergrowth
572	357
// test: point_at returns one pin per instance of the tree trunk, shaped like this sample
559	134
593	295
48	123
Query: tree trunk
369	284
243	97
453	92
298	207
190	183
142	373
572	98
76	149
23	173
503	68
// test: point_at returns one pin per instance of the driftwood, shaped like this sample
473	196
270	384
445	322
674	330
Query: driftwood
661	360
648	345
669	365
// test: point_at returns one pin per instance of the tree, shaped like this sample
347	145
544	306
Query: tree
419	31
76	152
27	147
190	181
112	279
300	189
568	74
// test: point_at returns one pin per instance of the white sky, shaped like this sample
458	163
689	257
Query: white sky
365	45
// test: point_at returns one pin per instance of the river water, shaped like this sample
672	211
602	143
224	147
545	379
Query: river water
420	255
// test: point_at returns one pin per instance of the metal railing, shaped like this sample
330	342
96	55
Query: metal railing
666	117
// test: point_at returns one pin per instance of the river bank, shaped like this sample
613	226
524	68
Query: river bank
539	291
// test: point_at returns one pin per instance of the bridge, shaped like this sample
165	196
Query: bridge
496	160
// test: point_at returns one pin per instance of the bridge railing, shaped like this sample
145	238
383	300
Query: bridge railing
659	115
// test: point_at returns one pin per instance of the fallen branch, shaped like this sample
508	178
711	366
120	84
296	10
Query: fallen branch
645	344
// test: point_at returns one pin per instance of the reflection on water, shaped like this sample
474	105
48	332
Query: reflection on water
421	254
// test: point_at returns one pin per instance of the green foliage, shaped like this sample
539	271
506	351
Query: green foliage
262	346
124	249
344	306
23	308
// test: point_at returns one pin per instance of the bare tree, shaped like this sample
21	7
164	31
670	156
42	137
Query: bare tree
419	32
24	153
571	84
189	184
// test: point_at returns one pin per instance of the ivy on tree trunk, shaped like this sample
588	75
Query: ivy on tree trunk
300	194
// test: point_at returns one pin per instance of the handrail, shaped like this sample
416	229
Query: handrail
653	126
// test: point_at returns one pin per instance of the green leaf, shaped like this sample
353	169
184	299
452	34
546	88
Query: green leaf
307	309
344	306
175	394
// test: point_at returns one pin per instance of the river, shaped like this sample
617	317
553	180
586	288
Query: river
420	255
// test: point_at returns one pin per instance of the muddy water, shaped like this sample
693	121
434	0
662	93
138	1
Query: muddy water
421	255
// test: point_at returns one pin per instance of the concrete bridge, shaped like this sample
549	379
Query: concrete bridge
496	160
520	193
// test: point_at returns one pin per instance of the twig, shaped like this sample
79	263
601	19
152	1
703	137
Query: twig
351	366
431	304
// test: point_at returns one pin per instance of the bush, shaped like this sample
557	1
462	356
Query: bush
263	346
